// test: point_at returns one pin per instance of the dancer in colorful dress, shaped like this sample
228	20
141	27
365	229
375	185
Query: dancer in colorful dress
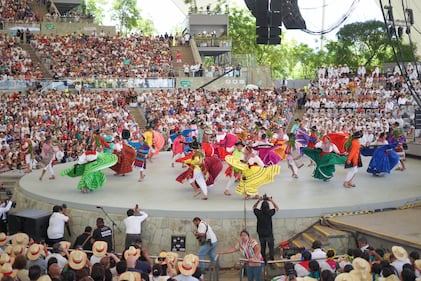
198	180
126	156
89	167
353	160
325	155
48	153
253	173
142	150
234	174
384	157
398	137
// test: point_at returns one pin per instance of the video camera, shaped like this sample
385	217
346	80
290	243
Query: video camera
9	195
265	197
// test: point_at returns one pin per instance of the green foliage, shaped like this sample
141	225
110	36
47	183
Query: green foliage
146	26
93	8
127	14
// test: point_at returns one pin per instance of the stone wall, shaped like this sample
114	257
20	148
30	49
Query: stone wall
157	231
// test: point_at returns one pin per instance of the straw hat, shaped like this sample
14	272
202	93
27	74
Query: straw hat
361	269
20	239
187	266
400	253
172	257
306	278
7	270
344	277
5	258
162	258
132	251
391	277
130	276
18	250
99	248
35	251
77	259
44	277
3	239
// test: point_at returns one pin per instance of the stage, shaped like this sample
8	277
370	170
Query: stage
161	196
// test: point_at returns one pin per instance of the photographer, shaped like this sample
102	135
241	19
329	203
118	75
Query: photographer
264	224
207	239
4	209
55	230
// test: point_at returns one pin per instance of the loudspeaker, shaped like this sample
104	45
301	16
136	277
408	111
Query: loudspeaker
268	35
30	221
262	13
125	134
417	119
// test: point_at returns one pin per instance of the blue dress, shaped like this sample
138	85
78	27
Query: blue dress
384	159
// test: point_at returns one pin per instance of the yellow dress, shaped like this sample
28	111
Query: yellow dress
252	177
148	137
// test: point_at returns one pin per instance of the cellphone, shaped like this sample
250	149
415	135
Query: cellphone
137	206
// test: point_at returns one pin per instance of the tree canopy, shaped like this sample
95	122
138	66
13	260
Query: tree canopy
127	14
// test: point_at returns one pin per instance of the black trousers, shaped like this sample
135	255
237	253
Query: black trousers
3	226
270	241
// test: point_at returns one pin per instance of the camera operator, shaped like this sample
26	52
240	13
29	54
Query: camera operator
57	221
4	209
264	224
207	239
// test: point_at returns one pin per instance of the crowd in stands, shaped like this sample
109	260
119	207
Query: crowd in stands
70	117
17	11
16	63
103	57
198	70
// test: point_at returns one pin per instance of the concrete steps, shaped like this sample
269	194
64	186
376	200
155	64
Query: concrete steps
9	182
187	58
330	238
138	116
36	60
298	114
40	10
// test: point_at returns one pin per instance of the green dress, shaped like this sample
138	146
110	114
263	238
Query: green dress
325	162
91	176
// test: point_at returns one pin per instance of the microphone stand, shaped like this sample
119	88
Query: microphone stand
244	178
114	225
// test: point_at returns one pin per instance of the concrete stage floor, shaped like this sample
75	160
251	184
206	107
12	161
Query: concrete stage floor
160	195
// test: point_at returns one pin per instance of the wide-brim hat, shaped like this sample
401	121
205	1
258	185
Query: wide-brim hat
129	276
65	245
400	253
187	266
7	270
172	258
18	250
161	258
391	277
361	264
20	239
344	277
99	248
3	239
34	251
306	278
77	260
5	258
132	251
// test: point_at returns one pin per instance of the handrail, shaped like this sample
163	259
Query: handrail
195	51
216	78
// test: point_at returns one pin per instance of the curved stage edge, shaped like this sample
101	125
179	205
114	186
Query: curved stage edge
161	196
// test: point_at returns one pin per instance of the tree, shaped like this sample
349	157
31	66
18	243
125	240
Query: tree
127	14
364	43
146	26
93	8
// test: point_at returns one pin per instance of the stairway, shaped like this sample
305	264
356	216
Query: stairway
36	60
339	240
9	181
187	58
138	116
39	10
298	114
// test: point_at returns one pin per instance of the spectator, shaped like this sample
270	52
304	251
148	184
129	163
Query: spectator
55	230
83	241
133	223
103	233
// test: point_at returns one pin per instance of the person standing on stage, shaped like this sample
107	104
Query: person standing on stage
103	233
264	224
55	230
353	160
207	239
133	223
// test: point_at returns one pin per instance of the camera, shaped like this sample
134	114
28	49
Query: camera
265	197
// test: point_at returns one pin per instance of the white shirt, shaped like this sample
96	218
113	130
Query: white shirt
62	261
397	264
209	233
133	223
318	254
55	228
